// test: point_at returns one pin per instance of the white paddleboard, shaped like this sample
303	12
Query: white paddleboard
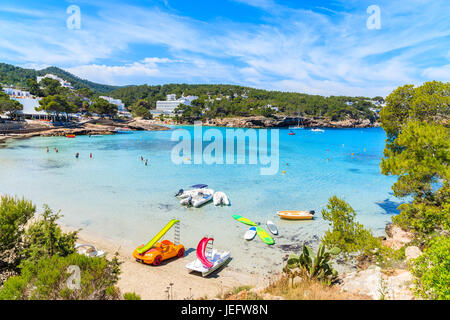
272	227
250	234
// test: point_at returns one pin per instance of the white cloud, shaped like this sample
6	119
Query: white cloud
293	49
441	73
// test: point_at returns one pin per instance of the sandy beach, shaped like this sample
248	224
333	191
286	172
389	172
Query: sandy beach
151	282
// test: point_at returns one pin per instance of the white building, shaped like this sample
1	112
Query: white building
16	93
29	109
169	106
63	82
120	105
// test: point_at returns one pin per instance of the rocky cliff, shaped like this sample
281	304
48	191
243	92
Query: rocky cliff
280	122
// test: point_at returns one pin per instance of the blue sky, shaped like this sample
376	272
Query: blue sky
314	46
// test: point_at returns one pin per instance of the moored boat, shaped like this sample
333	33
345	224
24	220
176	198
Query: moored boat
220	198
296	215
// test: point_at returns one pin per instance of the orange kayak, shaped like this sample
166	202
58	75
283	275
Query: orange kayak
295	215
70	136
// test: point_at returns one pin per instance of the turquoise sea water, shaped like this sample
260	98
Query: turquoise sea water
115	195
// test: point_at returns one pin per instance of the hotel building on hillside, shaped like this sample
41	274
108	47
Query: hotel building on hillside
63	82
168	107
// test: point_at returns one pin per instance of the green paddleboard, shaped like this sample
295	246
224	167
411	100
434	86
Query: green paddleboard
264	235
244	220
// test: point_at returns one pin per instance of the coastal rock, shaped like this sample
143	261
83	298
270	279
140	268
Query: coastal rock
283	121
372	282
412	252
396	237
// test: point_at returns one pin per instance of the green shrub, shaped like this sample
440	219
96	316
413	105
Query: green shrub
48	279
44	238
345	233
131	296
14	215
432	270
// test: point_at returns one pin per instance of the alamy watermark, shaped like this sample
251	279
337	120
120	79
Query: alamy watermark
374	20
74	281
260	151
73	22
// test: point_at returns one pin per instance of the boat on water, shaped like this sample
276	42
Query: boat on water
296	215
220	198
70	136
201	197
292	133
192	192
298	126
317	130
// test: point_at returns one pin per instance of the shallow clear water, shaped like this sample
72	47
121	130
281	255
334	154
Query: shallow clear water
115	195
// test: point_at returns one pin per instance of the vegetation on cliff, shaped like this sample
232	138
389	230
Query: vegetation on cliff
36	258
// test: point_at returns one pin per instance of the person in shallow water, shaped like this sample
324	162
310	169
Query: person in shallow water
47	149
77	155
90	155
146	161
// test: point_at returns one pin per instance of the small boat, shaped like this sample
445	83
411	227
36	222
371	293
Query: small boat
244	220
272	227
208	262
203	196
292	133
218	259
296	215
123	130
188	193
264	236
317	130
250	234
298	126
70	136
220	198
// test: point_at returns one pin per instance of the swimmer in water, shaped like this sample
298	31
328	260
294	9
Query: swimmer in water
77	155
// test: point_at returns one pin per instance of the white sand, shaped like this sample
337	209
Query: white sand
151	282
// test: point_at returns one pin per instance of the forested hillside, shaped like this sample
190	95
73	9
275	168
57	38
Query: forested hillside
215	100
12	75
229	100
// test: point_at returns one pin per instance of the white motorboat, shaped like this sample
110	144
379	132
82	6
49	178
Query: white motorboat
218	259
220	198
317	130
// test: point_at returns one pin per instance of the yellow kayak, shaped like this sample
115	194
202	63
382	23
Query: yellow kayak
295	215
